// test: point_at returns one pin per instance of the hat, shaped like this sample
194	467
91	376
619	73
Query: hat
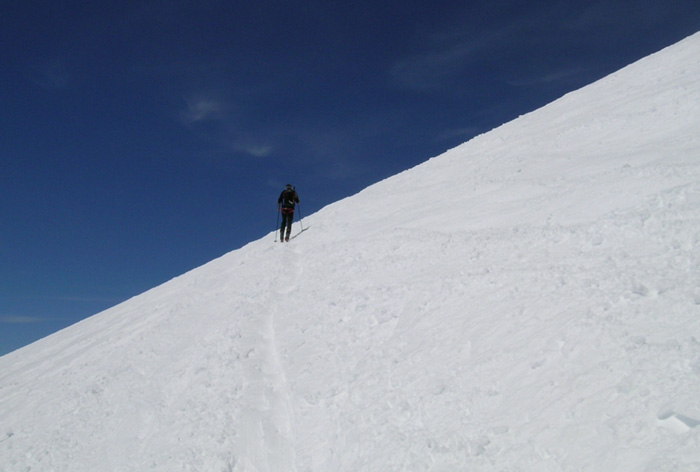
289	185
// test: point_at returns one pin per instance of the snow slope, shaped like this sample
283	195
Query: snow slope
528	301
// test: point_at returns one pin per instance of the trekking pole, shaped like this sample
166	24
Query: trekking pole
277	224
300	217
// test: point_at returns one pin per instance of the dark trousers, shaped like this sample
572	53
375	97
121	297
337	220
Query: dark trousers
287	218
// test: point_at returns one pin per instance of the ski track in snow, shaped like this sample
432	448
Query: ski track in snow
528	301
268	424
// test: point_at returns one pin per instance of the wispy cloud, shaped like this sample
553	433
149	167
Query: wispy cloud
202	108
448	53
429	70
248	146
618	15
532	38
258	150
216	119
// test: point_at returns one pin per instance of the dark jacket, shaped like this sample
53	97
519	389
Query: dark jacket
288	198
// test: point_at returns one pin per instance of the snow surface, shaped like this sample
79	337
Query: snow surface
528	301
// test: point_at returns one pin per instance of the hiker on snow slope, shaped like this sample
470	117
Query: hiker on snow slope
285	204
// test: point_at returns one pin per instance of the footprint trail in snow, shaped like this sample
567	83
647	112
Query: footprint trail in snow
268	423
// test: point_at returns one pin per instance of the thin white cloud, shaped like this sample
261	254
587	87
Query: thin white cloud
452	51
449	52
428	71
607	14
202	108
259	150
213	119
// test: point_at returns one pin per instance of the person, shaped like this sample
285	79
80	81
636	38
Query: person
285	204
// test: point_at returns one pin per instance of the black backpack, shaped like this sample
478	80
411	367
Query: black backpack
288	198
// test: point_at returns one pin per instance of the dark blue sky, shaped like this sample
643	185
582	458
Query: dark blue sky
139	140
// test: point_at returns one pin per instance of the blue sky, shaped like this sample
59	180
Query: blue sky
139	140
